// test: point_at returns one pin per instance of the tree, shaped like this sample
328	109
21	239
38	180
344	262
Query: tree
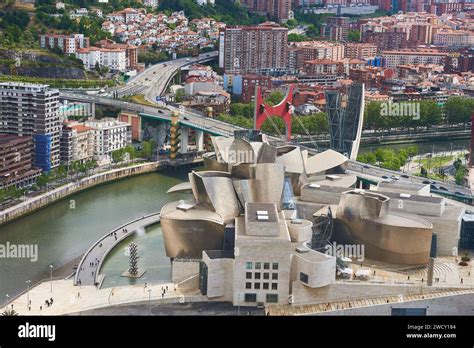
430	113
274	98
459	109
42	180
147	149
297	37
373	119
353	36
117	156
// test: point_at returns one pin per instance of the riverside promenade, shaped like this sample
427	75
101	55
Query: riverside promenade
88	269
71	299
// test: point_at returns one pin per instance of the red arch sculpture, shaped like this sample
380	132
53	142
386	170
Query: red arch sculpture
283	110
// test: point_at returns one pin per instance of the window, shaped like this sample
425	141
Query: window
265	286
250	297
257	275
266	265
256	286
248	285
258	265
275	266
274	276
274	286
304	277
248	275
272	298
248	265
266	275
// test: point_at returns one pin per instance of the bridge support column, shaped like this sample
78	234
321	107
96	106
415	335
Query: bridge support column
184	140
199	140
93	110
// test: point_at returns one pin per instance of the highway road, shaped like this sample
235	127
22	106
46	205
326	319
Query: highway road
153	81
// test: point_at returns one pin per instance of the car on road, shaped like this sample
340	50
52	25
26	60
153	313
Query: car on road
459	193
394	177
185	118
434	187
366	166
405	176
442	188
384	177
188	59
426	182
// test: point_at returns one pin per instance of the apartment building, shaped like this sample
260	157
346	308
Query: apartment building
261	49
300	52
108	135
69	44
421	56
16	161
362	51
32	110
335	29
77	143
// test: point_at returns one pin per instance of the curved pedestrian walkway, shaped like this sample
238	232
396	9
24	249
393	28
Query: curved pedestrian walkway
89	267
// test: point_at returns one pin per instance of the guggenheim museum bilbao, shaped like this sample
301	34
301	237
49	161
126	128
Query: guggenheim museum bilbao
275	225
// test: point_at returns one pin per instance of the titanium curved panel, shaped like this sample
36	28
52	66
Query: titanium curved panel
187	234
363	218
266	154
181	187
325	161
221	148
241	151
269	181
216	192
211	163
245	190
292	160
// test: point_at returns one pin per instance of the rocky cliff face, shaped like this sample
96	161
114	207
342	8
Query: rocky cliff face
41	64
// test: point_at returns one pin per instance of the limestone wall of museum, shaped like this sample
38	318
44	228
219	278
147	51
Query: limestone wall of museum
342	291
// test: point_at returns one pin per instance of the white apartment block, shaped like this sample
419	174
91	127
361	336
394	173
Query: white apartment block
401	57
109	135
115	58
453	38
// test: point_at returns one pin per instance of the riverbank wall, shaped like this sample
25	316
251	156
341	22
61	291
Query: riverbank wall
34	203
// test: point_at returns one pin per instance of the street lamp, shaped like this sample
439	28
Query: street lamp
51	271
28	294
149	301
